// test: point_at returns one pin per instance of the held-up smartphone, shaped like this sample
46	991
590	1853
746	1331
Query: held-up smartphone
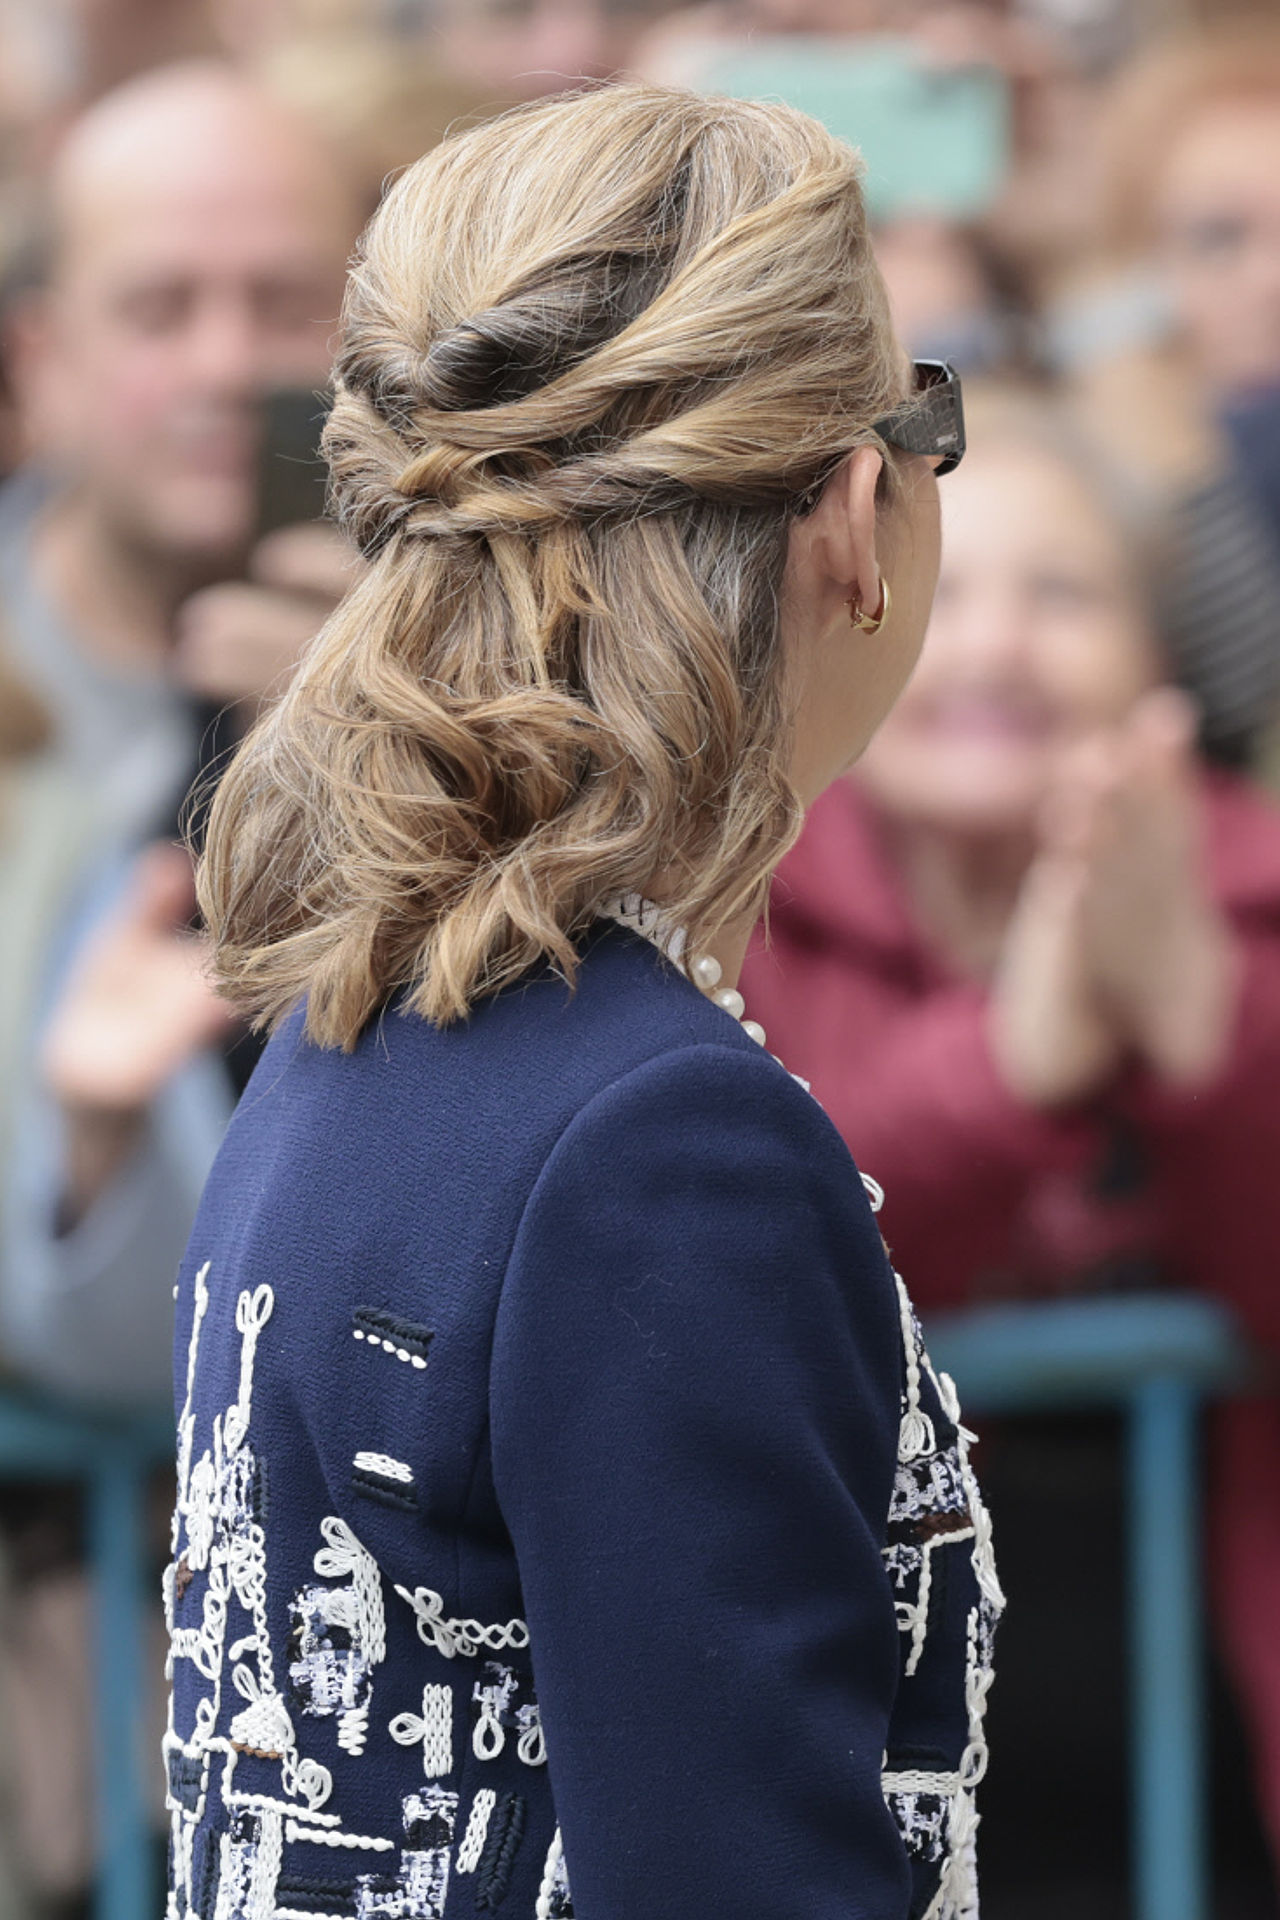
936	140
292	474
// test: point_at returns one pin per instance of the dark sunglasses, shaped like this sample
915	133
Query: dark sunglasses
931	422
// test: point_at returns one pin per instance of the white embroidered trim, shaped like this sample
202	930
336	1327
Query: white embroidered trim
451	1637
916	1435
252	1313
215	1521
264	1724
494	1698
248	1871
326	1837
917	1780
433	1728
914	1619
383	1463
437	1734
186	1420
388	1346
554	1880
218	1531
957	1894
259	1802
424	1870
531	1747
477	1831
344	1556
642	916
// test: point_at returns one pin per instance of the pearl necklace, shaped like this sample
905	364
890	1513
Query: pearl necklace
643	917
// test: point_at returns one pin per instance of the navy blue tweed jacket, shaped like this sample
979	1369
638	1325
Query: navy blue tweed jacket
569	1520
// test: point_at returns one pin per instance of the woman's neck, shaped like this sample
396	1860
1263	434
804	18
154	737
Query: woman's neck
962	887
730	948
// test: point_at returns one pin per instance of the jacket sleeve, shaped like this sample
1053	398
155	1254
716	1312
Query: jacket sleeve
695	1402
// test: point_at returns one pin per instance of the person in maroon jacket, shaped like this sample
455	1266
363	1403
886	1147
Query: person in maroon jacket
1028	956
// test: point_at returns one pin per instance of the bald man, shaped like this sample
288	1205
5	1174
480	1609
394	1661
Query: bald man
195	254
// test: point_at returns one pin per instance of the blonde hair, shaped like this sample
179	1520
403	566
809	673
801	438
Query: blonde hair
595	356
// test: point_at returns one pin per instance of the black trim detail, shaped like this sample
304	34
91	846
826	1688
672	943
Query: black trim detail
327	1894
186	1774
376	1325
205	1882
392	1493
506	1830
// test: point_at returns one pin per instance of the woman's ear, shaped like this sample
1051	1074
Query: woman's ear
835	545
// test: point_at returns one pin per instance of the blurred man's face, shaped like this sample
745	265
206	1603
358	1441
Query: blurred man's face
1219	216
532	47
181	292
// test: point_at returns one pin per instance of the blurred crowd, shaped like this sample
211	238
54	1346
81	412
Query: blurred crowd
1028	953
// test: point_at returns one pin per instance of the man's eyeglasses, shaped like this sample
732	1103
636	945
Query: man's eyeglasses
932	421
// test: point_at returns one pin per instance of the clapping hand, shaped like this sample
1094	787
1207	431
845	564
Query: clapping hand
1116	948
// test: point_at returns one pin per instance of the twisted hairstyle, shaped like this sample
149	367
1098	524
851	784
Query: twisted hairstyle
595	357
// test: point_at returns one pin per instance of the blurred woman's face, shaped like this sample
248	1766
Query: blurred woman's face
1218	212
1037	639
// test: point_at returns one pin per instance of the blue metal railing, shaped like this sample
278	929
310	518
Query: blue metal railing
112	1460
1156	1356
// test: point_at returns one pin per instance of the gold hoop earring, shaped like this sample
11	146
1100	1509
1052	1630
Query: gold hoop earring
862	622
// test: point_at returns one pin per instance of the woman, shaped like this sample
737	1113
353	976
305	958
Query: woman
562	1486
1174	355
1030	956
